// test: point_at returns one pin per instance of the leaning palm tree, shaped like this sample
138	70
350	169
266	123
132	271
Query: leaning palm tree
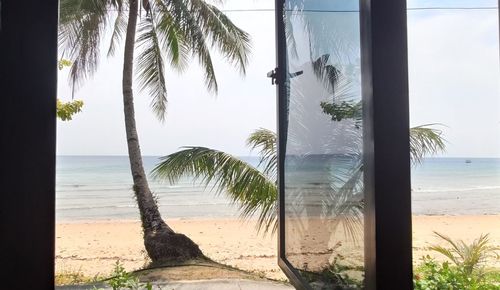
254	188
168	31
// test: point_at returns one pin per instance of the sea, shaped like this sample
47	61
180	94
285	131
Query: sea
100	188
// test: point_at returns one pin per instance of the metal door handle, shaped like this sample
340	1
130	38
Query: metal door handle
273	75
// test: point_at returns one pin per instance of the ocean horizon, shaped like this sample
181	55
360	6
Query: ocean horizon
100	188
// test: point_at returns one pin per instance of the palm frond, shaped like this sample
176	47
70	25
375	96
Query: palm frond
290	39
470	257
150	67
71	10
172	35
344	202
231	41
450	254
243	183
190	26
326	73
81	29
265	140
119	28
425	141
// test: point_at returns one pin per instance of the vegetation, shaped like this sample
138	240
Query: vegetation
62	63
168	32
255	189
342	111
67	277
121	279
65	111
336	275
425	139
464	270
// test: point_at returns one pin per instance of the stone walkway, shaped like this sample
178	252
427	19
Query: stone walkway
222	284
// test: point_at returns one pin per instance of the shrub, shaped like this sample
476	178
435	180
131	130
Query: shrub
465	269
121	279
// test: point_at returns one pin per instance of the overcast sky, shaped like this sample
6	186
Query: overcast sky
454	80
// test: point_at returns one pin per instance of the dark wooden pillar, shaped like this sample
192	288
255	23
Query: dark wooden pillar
388	243
28	72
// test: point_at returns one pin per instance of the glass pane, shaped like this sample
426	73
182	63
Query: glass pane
454	86
323	158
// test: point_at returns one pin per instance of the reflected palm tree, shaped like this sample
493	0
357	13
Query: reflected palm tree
324	124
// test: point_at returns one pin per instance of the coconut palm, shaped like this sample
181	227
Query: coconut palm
254	188
169	32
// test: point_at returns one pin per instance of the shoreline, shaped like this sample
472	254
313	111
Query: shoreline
93	246
233	218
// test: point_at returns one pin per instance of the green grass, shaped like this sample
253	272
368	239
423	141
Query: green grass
493	275
72	277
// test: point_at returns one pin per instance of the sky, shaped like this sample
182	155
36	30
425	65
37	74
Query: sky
454	77
453	72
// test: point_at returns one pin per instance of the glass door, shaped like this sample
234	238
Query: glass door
343	146
321	142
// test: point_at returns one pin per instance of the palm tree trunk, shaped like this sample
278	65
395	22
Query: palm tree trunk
161	242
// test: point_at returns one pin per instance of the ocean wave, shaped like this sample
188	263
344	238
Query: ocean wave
454	189
86	207
95	207
164	190
198	204
85	188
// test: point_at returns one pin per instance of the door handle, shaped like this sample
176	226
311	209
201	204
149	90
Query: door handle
273	75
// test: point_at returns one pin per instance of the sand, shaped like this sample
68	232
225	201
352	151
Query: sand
93	247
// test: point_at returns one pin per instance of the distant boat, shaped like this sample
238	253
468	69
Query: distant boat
468	161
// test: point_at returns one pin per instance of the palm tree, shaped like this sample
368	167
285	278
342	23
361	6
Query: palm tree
254	188
171	31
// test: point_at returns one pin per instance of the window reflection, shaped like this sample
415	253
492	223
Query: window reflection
323	160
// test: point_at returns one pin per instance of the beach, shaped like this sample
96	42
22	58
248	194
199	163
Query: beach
97	218
92	247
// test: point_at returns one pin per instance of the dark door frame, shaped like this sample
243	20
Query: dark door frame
386	144
28	88
388	220
281	110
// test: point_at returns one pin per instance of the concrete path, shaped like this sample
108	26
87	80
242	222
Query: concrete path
222	284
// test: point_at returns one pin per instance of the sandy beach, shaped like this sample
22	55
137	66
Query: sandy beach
93	247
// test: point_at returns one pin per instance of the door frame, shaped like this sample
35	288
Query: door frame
387	227
28	86
28	89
